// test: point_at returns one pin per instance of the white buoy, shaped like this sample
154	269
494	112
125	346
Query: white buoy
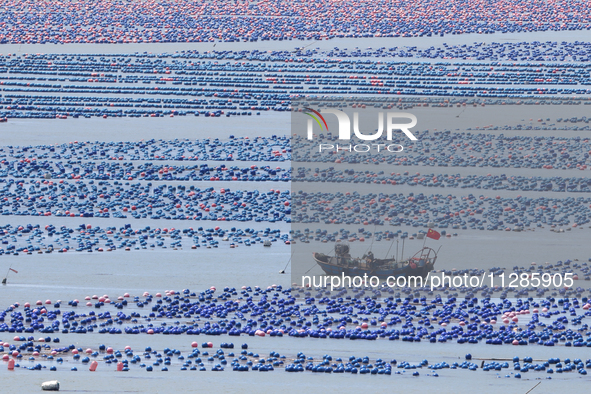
52	385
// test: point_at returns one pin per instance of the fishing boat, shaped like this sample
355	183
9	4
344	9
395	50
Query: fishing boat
420	264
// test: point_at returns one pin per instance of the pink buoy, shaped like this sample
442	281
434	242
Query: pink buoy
194	344
158	295
109	350
462	323
87	298
39	302
586	306
15	353
150	331
95	297
35	353
212	288
126	295
119	366
384	324
41	340
47	302
443	324
89	351
93	366
493	322
75	351
127	347
27	305
515	342
16	339
364	326
535	310
515	319
146	294
89	304
5	357
545	310
53	352
10	365
209	344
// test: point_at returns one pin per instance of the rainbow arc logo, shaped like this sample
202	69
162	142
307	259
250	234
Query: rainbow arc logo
316	118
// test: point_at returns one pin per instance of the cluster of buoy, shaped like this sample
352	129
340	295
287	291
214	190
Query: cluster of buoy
207	149
49	169
453	149
515	51
219	21
486	182
29	239
438	210
409	314
141	200
52	110
246	361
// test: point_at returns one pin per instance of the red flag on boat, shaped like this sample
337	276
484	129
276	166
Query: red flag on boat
13	270
433	234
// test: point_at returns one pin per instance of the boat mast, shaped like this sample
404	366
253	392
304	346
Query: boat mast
388	252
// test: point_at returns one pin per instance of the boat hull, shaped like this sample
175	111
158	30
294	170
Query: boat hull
382	273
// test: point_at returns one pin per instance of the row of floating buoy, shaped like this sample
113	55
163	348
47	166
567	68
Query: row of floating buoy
205	149
477	51
226	205
474	84
147	67
64	199
541	321
486	182
146	172
57	110
498	151
262	21
247	361
438	210
110	239
494	151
